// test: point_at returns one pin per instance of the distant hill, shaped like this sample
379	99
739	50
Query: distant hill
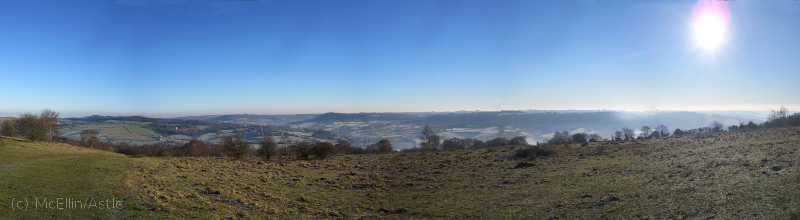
253	119
675	119
402	128
362	117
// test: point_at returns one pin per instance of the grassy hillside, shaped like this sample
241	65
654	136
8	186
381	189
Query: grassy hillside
729	175
30	170
723	175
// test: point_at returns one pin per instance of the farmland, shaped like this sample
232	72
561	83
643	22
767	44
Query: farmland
725	175
139	131
113	131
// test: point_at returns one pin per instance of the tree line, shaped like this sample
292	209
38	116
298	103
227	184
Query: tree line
43	127
776	119
430	141
33	127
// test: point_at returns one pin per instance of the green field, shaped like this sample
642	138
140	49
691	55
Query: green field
726	175
115	131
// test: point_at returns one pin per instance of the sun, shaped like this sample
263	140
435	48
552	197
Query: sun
709	32
710	20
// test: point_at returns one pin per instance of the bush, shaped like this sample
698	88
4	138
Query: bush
322	150
195	148
412	150
234	146
533	152
579	137
267	147
89	138
31	127
497	142
518	140
382	147
302	149
677	133
8	129
343	147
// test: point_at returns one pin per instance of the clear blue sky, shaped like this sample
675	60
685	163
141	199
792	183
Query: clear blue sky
169	58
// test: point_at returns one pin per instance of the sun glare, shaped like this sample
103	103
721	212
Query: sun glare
710	20
709	32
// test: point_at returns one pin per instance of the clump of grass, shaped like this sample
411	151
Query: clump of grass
533	152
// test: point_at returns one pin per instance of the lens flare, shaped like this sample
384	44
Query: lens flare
710	19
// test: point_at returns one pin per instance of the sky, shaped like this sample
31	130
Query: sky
182	57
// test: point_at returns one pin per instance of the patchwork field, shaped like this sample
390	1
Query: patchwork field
114	131
728	175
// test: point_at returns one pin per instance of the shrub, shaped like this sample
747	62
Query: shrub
533	152
579	137
8	129
343	147
412	150
497	142
31	127
196	148
323	150
302	149
234	146
267	147
383	147
518	140
677	133
89	138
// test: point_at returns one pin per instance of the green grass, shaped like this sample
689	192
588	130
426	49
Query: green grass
33	170
136	128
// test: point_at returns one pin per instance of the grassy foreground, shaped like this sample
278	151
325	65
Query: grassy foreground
728	175
34	173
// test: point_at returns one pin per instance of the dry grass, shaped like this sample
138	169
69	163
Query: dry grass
724	175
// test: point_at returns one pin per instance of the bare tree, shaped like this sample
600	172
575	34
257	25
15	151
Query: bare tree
50	119
234	146
31	127
89	138
286	143
716	126
618	136
778	118
655	134
450	144
267	147
595	137
9	129
518	140
662	130
430	141
557	138
323	149
628	134
303	149
343	146
383	147
646	131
